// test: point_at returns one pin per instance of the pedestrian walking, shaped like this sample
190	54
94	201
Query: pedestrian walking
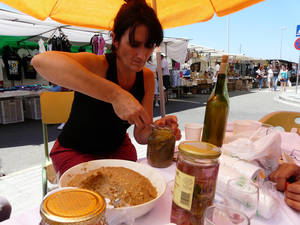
283	77
270	77
260	76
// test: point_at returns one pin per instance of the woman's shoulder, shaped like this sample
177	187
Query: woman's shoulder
148	74
95	63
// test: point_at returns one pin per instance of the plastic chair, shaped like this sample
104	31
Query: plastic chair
55	109
284	119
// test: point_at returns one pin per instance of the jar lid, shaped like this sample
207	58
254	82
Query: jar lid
73	207
198	149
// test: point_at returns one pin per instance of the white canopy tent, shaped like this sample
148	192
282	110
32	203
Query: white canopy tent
17	24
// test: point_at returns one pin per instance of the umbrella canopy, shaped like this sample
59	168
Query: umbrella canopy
100	13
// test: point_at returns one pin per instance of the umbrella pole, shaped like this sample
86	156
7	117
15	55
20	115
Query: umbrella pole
159	71
160	85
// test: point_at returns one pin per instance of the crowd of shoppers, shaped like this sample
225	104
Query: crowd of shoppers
275	74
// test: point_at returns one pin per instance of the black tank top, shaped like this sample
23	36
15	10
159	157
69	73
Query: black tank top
93	127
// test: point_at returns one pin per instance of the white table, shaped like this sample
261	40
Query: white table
160	214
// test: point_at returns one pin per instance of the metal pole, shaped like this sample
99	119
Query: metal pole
159	71
282	29
228	22
297	74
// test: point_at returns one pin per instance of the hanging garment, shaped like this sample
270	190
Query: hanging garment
29	71
41	46
60	43
12	63
98	44
1	72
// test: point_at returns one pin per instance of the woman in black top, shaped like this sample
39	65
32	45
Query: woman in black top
112	92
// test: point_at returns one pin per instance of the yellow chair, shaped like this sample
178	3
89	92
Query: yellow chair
284	119
55	109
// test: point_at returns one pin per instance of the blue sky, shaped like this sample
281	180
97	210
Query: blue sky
254	31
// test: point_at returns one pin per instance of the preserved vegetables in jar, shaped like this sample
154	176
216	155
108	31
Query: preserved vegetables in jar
73	206
160	149
195	182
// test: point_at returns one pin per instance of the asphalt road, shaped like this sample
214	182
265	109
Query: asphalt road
21	143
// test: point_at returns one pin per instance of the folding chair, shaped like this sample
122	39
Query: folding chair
284	119
55	109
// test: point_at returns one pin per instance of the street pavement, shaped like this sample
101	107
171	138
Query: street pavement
21	148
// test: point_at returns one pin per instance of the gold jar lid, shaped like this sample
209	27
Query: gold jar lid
73	206
200	150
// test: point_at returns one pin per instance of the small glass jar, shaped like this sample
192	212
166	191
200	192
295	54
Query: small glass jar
73	206
160	149
195	181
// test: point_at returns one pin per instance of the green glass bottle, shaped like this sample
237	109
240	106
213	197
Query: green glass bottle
217	108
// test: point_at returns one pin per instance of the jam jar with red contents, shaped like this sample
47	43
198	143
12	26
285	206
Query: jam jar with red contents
195	181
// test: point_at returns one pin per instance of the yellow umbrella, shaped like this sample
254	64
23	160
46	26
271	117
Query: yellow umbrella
100	13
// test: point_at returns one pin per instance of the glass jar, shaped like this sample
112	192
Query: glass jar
195	181
160	149
73	206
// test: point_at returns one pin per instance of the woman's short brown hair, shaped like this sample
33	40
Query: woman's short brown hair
132	14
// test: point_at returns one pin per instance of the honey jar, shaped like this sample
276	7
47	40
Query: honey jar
73	206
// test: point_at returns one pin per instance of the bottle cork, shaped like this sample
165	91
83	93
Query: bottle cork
223	65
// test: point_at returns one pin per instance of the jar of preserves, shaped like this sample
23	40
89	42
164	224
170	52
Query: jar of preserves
73	206
195	181
160	149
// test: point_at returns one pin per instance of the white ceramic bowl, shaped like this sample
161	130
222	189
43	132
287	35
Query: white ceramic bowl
152	174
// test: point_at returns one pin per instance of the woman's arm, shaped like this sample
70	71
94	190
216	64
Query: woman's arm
82	72
85	73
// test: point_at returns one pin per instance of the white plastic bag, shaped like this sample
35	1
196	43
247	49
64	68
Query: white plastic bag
266	150
289	83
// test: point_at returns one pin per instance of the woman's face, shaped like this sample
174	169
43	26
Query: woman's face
133	57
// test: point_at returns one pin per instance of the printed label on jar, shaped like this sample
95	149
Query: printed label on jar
183	190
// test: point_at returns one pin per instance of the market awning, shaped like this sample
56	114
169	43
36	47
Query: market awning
100	13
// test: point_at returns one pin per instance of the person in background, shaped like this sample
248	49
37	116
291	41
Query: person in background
152	66
285	173
260	76
165	71
216	72
283	74
276	71
112	91
270	76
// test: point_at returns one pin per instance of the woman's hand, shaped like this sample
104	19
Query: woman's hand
171	122
128	108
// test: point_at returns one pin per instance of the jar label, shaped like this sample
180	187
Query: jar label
183	190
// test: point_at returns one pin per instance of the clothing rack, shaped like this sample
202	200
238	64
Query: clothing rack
55	29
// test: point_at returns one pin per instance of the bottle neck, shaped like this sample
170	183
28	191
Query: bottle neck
221	84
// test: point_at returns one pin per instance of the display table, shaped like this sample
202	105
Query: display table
21	93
